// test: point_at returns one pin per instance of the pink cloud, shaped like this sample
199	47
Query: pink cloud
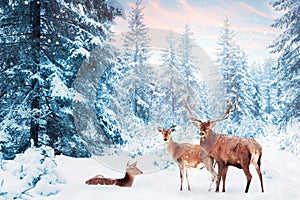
249	8
185	14
255	29
207	19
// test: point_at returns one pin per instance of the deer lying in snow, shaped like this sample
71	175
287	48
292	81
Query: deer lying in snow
187	155
230	150
127	181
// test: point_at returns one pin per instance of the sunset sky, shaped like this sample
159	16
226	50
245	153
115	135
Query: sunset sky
250	19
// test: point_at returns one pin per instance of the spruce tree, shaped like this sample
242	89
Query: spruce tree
136	40
225	54
185	54
170	61
136	54
239	85
287	45
42	47
226	62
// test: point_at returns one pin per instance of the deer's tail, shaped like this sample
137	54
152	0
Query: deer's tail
256	157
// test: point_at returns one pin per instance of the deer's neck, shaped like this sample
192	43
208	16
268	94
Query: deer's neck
170	145
126	181
209	141
174	149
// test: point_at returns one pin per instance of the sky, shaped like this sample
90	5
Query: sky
250	19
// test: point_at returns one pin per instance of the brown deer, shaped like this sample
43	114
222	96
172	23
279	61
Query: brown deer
127	181
230	150
187	156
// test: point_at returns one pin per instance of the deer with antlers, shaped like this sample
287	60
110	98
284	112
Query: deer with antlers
229	150
127	181
187	156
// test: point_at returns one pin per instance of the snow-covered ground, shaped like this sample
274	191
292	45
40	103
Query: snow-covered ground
66	180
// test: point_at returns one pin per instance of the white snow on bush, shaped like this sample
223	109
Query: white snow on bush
59	89
30	174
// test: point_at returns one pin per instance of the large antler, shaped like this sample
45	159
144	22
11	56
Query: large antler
231	107
189	108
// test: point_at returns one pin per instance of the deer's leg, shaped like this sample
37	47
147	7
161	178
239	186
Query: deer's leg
221	166
209	162
257	167
187	179
224	173
213	178
181	177
248	176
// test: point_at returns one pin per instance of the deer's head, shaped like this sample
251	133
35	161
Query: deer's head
132	169
205	127
166	133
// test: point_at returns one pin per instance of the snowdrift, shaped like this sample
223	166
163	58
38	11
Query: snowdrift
63	177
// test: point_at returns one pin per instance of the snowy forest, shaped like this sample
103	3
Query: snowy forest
71	86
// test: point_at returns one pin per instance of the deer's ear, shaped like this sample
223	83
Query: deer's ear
172	128
134	164
160	129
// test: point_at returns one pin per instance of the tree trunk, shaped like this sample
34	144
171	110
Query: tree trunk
35	86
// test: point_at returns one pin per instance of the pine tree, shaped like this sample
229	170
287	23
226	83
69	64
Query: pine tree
136	40
136	54
264	96
240	86
185	53
248	116
21	61
225	54
42	47
265	75
192	80
173	80
288	46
